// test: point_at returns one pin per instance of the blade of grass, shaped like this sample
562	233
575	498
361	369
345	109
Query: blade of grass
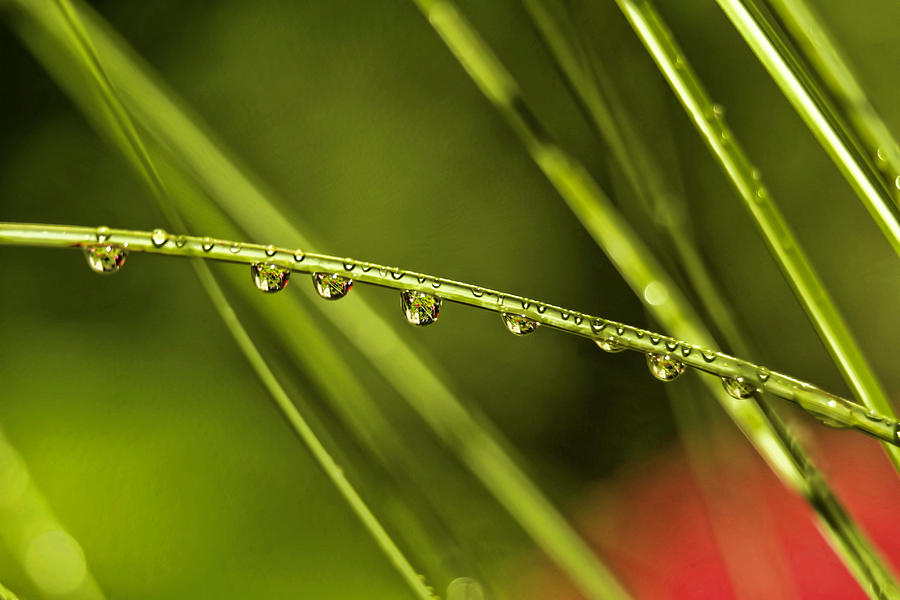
798	271
640	269
480	448
824	55
25	516
5	594
786	69
135	147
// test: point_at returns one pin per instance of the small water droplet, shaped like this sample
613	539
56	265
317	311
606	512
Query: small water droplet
477	292
102	234
104	258
235	248
738	387
159	237
664	367
761	192
269	278
207	244
671	345
829	422
578	319
271	250
755	174
708	355
598	325
421	279
500	299
620	330
718	110
397	274
525	304
519	324
366	267
383	271
541	308
763	374
610	345
420	308
331	286
881	155
299	255
655	339
435	283
873	416
897	182
348	266
180	241
724	134
465	588
686	350
564	315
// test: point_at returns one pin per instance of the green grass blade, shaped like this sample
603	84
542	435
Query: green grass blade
824	55
138	152
479	448
5	594
797	269
786	70
640	269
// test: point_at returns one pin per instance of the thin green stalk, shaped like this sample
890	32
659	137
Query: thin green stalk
139	152
641	270
823	54
411	372
807	396
797	269
774	53
5	594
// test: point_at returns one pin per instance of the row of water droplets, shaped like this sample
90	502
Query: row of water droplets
419	308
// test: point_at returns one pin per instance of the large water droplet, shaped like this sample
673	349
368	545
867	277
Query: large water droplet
269	278
664	367
738	387
518	324
159	237
610	345
420	308
331	286
104	258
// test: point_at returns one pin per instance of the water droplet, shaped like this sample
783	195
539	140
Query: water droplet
331	286
763	374
420	308
269	278
519	324
104	258
477	292
881	155
708	355
897	182
500	299
598	325
435	283
235	248
299	255
348	266
159	237
383	271
724	134
102	234
620	330
610	345
656	293
397	274
872	416
671	345
421	279
367	267
541	308
271	250
718	110
578	319
738	387
829	422
525	304
207	244
465	588
564	315
664	367
654	339
180	241
761	192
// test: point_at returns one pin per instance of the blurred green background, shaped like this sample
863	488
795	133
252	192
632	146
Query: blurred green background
140	421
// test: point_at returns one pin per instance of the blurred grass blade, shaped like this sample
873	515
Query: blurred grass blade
640	269
5	594
784	66
135	148
479	448
51	556
797	269
824	55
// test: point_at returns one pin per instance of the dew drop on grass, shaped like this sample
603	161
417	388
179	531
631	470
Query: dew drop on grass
420	308
299	255
465	588
518	324
664	367
609	345
235	248
180	241
269	278
331	286
207	244
738	387
271	250
102	234
105	258
159	237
